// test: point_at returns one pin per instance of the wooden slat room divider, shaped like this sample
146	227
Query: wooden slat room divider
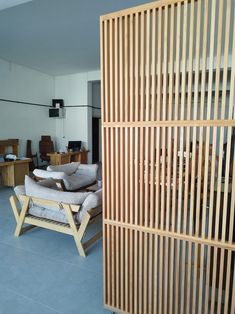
168	76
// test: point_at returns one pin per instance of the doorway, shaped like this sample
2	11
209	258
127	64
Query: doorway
95	140
96	121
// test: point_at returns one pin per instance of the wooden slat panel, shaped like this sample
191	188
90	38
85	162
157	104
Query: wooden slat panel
169	176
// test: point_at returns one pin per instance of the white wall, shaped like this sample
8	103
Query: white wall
30	121
25	121
77	125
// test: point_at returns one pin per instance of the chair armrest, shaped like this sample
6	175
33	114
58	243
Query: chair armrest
95	211
75	208
68	168
44	174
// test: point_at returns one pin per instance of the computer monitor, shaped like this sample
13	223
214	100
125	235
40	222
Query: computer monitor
74	145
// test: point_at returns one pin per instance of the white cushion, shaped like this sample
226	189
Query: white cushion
92	201
19	190
75	182
87	170
56	214
69	168
49	174
32	188
50	183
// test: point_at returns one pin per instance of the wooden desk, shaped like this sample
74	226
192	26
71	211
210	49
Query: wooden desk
13	172
64	158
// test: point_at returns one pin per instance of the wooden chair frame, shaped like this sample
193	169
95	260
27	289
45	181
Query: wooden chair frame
78	231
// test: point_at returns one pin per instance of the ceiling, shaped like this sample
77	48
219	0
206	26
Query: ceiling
56	37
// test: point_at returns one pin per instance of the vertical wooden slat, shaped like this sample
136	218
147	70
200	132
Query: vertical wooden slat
159	95
111	151
122	206
175	208
137	116
156	275
146	159
142	107
152	163
158	113
117	161
131	160
154	60
106	100
106	187
141	139
217	82
102	64
231	114
189	110
197	156
233	299
137	107
225	73
116	69
206	155
209	106
126	154
224	93
232	210
183	174
164	245
170	153
169	158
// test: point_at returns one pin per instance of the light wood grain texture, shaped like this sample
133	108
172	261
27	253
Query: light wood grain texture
13	172
168	132
176	123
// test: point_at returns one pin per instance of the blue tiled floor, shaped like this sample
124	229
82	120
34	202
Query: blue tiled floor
41	271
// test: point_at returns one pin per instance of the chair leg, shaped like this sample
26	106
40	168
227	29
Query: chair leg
79	245
77	233
13	201
22	217
82	230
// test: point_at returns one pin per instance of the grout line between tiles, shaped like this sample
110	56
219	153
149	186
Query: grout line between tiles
31	299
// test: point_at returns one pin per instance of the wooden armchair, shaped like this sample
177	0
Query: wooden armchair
71	214
72	228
